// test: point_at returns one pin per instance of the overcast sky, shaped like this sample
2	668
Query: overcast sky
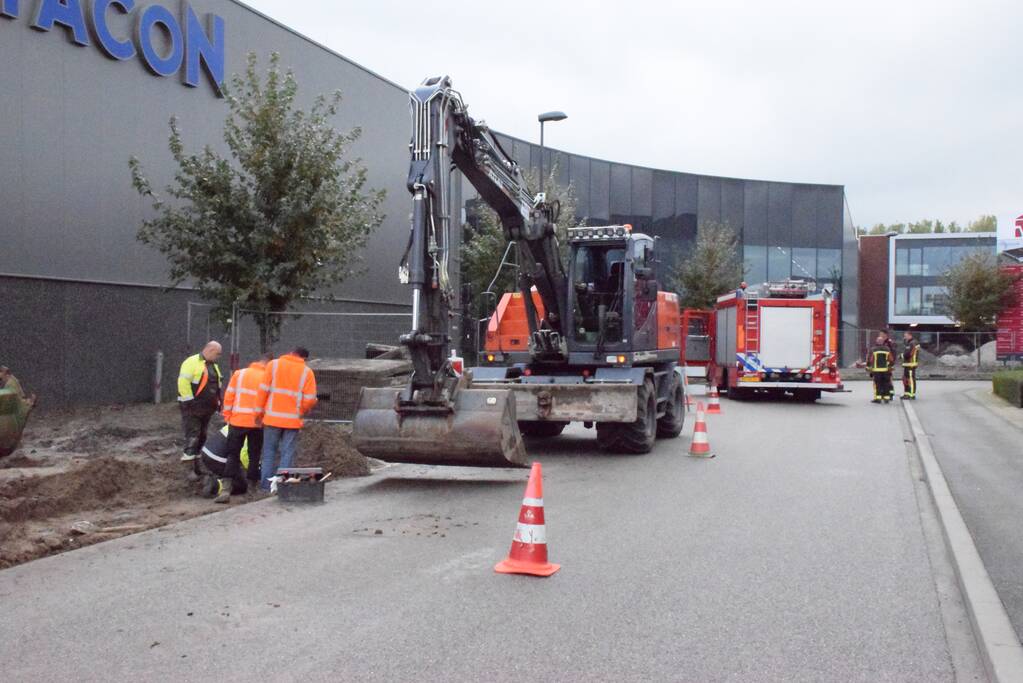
913	106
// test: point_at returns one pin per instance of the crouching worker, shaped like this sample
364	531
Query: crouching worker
243	413
215	481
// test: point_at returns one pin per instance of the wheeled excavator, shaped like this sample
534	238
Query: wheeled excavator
595	342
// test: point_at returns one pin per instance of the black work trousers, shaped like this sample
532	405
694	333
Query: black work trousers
236	437
883	388
909	381
195	423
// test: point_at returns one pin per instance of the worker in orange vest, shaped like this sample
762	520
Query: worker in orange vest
288	392
243	414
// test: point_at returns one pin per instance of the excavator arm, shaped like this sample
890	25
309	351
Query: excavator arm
436	418
444	138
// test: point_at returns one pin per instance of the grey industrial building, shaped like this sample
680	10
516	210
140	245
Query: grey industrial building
86	306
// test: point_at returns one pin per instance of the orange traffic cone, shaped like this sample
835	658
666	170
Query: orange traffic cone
700	446
714	404
528	554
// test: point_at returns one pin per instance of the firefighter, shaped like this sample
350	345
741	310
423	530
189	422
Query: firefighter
910	362
890	343
880	361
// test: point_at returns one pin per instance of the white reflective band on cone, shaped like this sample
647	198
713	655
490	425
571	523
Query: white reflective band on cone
700	437
533	502
530	533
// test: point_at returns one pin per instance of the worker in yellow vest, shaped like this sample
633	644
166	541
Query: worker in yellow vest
199	395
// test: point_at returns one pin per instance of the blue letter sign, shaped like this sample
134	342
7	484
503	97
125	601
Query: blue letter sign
156	16
166	43
202	50
118	49
67	13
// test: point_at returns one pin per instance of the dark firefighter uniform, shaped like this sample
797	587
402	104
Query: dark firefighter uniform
910	362
214	461
880	362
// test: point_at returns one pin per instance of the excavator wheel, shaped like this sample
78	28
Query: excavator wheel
633	437
541	430
671	423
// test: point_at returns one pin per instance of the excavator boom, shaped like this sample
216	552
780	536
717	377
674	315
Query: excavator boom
437	418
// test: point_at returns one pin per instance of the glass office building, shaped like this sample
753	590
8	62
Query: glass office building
917	262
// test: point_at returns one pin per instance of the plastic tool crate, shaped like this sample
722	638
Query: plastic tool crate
308	488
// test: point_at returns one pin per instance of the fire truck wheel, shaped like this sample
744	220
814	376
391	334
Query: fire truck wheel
541	430
633	437
671	423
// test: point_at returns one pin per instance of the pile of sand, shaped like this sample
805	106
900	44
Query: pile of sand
330	446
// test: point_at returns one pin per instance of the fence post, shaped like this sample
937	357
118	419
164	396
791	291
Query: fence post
158	378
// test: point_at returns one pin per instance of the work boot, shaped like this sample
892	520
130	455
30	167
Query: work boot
187	457
224	492
876	400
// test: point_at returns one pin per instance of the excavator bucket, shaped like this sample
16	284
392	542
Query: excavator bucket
479	430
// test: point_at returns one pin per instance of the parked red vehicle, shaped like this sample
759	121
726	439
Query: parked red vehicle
774	338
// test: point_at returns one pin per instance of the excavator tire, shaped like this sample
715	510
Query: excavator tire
633	437
669	426
541	430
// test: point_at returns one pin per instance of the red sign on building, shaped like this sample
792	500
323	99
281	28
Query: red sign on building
1010	322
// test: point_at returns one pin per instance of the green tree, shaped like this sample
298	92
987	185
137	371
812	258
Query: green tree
712	269
484	243
986	223
280	218
978	290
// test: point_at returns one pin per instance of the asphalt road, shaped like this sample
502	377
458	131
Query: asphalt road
978	440
796	554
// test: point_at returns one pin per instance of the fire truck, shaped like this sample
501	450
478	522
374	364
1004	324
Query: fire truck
777	338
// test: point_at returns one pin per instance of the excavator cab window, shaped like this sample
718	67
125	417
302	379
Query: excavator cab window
598	272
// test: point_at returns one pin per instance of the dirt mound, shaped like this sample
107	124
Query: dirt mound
97	484
330	446
20	461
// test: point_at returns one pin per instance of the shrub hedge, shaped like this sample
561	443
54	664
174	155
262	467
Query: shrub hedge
1009	385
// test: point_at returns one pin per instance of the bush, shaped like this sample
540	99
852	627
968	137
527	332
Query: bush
1009	385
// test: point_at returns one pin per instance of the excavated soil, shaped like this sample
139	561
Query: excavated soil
113	471
329	446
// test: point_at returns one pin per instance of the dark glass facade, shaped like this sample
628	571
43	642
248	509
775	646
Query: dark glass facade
785	229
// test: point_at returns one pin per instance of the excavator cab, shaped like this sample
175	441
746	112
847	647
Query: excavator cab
613	290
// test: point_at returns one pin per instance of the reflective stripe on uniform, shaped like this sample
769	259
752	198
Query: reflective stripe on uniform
291	416
236	408
209	454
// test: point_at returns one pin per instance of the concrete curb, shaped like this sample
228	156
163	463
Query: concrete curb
999	645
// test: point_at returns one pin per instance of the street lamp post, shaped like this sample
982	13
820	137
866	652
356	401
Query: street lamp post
544	118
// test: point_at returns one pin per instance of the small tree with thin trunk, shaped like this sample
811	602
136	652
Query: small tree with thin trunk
712	269
978	291
281	218
484	243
